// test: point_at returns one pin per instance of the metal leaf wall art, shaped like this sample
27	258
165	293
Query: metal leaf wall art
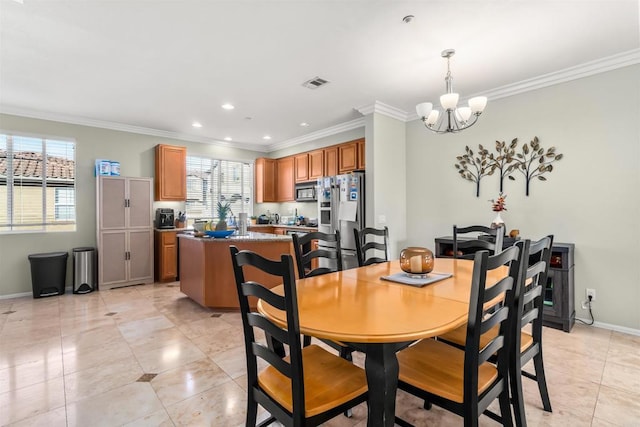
532	161
474	168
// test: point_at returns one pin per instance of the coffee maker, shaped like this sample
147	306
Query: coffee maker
165	218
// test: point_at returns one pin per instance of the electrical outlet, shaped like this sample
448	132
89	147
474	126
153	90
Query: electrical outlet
585	303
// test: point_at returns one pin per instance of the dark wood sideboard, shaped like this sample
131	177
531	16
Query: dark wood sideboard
559	294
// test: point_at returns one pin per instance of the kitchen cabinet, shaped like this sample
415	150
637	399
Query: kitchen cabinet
348	157
316	164
330	161
166	256
171	173
265	180
125	230
285	182
301	167
361	154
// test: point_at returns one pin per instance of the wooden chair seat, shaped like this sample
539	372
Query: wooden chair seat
458	337
438	368
329	381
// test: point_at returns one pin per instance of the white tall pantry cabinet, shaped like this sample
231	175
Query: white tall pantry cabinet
125	230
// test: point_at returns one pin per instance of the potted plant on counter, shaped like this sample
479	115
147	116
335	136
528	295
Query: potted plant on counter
253	219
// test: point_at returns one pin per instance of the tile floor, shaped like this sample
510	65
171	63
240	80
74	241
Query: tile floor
81	360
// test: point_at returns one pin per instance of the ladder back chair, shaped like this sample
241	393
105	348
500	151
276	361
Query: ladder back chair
310	385
464	381
305	254
528	346
477	244
368	239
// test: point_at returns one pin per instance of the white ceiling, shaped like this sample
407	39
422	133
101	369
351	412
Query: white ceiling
161	65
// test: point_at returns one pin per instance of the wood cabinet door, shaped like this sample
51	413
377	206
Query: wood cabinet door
301	167
331	161
316	164
171	173
347	157
112	257
140	248
265	180
361	155
140	202
112	200
285	180
169	256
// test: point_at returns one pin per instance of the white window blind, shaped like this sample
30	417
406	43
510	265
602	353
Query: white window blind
210	181
37	184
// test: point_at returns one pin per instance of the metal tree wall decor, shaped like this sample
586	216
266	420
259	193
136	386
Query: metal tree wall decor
502	161
474	168
533	161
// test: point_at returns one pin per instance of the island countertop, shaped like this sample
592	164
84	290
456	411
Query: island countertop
206	271
251	236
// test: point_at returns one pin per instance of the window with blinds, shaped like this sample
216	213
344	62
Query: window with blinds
37	184
210	181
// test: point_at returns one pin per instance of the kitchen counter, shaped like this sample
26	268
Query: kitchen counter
206	271
179	230
251	236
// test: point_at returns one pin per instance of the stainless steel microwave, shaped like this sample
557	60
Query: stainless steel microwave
305	192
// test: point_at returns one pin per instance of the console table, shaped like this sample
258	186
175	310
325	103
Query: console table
559	294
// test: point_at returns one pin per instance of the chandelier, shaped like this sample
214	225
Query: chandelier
454	119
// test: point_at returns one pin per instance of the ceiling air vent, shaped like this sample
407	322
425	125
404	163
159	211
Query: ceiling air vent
315	83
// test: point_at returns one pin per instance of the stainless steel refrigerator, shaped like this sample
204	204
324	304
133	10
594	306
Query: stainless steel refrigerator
341	207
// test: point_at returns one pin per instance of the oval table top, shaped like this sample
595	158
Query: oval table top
358	306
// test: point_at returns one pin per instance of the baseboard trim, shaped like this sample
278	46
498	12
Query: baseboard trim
611	327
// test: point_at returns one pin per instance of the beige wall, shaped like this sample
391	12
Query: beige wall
135	153
590	199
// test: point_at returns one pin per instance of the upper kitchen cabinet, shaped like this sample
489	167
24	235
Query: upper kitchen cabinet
301	167
285	181
316	165
171	173
348	157
330	161
361	154
265	177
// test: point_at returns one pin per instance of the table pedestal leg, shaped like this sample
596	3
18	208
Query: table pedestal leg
381	366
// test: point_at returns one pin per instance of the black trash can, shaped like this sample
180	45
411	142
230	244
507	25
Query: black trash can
84	270
48	273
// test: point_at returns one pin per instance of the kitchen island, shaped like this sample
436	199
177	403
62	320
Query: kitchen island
206	272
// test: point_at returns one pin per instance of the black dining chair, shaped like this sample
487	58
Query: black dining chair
368	241
464	381
306	256
485	238
310	385
530	308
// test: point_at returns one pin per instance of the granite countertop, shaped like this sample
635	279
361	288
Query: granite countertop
289	227
251	236
179	230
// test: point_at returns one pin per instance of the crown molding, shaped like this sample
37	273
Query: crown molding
343	127
83	121
587	69
610	63
384	109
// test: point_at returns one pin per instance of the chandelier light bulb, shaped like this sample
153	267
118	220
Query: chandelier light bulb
424	109
463	114
449	101
477	104
432	118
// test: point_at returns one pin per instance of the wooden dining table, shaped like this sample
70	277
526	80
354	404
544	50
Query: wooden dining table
380	317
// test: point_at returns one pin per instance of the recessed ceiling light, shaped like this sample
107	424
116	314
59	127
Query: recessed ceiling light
228	138
304	124
267	137
228	106
196	124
